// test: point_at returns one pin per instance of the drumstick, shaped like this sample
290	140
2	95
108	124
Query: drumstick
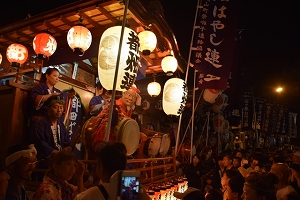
77	134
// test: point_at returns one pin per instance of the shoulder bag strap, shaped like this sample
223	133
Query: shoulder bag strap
104	192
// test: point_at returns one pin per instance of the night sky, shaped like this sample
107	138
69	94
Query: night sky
268	41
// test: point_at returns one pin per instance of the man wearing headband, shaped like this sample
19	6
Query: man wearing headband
49	134
20	163
124	107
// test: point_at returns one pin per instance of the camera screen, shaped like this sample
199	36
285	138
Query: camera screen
130	188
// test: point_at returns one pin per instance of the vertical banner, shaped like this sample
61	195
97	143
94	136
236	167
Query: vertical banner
213	45
247	111
267	119
280	122
292	126
259	111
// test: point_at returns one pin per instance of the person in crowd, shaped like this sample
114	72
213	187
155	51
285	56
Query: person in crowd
237	162
209	184
41	92
218	174
207	162
284	189
259	186
258	167
111	157
279	158
227	159
238	153
49	134
190	194
4	177
55	184
228	174
100	101
295	177
20	162
296	157
235	187
266	168
193	172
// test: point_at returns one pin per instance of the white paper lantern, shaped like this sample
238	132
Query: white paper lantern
221	103
218	123
169	65
107	58
0	58
79	39
226	126
154	89
174	96
148	42
210	95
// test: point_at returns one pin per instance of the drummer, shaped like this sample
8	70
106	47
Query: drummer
123	108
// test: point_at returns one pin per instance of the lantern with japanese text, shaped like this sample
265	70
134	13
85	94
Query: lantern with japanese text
79	39
210	95
147	42
0	58
169	65
16	54
218	123
44	45
107	58
221	103
154	89
174	96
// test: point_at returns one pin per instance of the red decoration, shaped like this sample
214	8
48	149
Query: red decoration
16	54
44	45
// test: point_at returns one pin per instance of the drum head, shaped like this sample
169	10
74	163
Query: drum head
152	146
165	144
129	133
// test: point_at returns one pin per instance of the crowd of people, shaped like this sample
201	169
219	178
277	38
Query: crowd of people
265	174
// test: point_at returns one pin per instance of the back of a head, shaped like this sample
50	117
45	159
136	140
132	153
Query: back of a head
236	184
17	147
196	195
112	156
64	155
231	173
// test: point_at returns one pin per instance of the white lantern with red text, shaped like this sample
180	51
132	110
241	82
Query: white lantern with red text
16	54
218	123
210	95
169	65
147	42
0	58
107	58
174	96
154	89
79	39
44	45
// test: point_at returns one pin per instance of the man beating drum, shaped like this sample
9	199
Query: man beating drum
123	127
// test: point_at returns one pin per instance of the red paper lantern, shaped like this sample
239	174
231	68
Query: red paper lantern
79	39
44	45
16	54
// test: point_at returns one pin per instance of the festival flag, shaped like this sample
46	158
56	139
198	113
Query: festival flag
213	43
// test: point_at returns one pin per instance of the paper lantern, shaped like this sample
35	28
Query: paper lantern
148	42
169	65
44	45
0	58
226	127
210	95
79	39
154	89
107	58
221	103
218	123
174	96
16	54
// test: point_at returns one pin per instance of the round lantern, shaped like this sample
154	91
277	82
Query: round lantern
16	54
44	45
221	103
210	95
154	89
147	42
0	58
107	58
169	65
218	123
226	127
174	96
79	39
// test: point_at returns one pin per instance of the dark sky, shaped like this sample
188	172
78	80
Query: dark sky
268	47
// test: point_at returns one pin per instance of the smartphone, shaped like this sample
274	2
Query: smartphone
130	186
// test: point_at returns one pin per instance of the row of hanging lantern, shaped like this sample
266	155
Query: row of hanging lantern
79	39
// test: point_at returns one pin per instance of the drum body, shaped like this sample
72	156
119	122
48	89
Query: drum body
152	145
128	132
165	144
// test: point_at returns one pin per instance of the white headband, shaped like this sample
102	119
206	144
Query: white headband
28	153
